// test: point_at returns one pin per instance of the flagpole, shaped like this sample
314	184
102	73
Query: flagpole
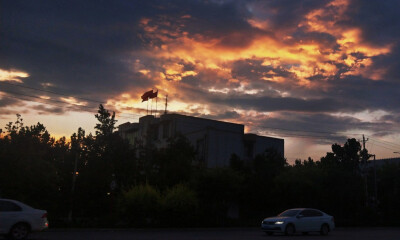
166	103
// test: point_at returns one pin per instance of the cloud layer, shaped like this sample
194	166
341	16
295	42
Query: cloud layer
311	65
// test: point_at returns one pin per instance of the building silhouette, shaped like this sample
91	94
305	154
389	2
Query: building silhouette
214	141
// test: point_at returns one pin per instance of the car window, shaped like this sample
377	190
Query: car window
6	206
289	213
311	213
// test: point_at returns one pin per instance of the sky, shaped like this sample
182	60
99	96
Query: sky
313	72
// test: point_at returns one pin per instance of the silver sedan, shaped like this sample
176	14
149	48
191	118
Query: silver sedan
303	220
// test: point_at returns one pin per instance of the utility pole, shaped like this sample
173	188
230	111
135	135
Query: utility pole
364	168
365	158
375	185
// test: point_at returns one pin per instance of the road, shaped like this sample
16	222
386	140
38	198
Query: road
211	234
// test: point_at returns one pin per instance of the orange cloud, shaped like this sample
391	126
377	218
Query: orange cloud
169	43
12	75
74	101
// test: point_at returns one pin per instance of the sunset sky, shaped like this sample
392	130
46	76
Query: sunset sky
313	72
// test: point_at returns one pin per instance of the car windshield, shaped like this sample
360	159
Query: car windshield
289	213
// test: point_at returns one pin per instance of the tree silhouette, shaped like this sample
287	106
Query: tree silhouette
107	122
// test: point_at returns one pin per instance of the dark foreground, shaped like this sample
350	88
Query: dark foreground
211	234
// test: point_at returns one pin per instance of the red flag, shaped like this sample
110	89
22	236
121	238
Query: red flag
147	95
153	95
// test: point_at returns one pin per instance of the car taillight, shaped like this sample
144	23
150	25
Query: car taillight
44	215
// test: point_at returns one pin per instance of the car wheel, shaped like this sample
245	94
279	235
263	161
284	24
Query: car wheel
324	229
19	231
290	229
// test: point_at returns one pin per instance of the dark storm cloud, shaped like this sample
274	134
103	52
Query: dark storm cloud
350	94
285	14
202	80
380	24
265	103
253	69
87	48
390	63
90	48
340	93
76	45
326	41
379	20
318	124
41	109
394	117
225	21
326	128
223	115
6	101
369	94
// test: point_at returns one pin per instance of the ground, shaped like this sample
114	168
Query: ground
211	234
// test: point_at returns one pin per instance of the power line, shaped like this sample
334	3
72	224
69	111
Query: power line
387	142
324	137
385	146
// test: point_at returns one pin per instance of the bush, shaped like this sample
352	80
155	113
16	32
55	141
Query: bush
180	206
140	206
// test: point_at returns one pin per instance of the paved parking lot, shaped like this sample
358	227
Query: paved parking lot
211	234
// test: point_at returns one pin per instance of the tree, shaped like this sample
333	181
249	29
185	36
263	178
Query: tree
217	190
107	122
172	165
106	166
347	157
27	165
257	197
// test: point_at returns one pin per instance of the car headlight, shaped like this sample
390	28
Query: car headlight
279	222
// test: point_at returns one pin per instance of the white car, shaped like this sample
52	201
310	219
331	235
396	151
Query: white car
18	219
302	220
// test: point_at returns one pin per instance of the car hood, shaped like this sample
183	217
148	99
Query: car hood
277	218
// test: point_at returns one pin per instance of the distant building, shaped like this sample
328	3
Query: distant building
214	141
383	161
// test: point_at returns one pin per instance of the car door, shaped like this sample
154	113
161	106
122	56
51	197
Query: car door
314	219
304	223
9	215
